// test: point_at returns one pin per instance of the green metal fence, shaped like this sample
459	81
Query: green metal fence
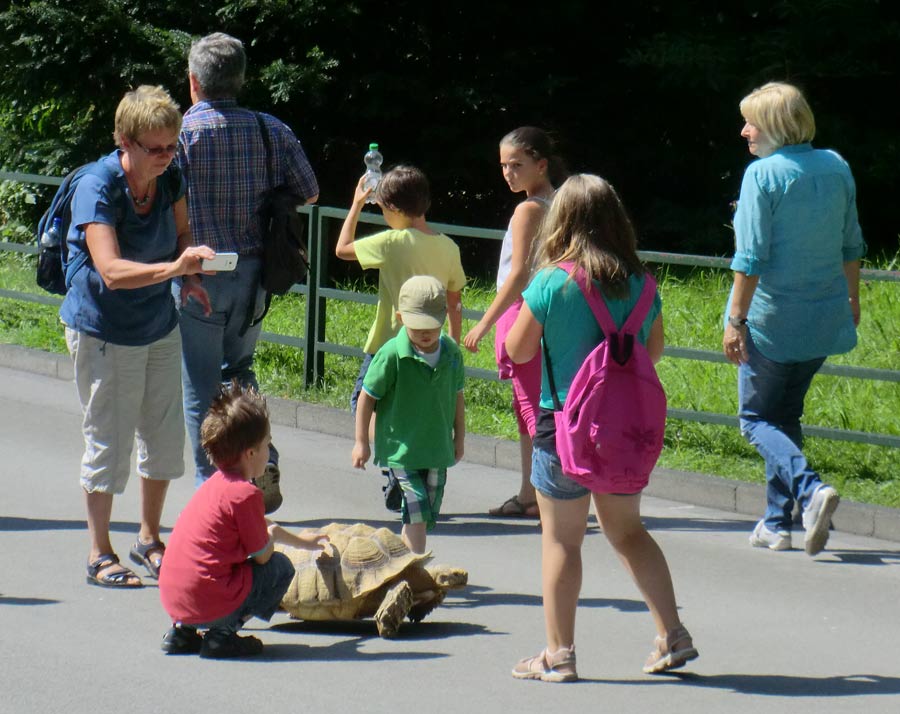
318	292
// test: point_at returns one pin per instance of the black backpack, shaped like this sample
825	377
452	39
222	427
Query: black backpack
54	271
285	260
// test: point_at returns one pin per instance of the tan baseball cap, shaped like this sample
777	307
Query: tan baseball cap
422	303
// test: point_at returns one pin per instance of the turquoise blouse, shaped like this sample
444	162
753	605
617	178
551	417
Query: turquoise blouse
795	227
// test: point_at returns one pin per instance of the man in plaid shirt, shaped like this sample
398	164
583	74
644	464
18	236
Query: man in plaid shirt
223	157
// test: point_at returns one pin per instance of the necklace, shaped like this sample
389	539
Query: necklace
141	202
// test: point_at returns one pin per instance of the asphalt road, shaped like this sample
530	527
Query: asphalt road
777	632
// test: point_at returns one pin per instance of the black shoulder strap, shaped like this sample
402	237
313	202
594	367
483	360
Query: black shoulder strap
264	131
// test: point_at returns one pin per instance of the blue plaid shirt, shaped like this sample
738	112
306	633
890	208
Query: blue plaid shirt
223	157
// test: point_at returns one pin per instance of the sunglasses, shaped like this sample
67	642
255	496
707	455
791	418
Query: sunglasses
157	150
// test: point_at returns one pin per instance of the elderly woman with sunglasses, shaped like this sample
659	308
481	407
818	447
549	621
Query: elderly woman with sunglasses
794	302
129	217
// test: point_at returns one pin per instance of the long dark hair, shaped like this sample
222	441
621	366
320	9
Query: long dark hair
538	145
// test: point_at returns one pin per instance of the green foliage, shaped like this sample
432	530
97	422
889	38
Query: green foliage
644	93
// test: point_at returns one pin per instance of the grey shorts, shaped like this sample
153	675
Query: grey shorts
128	392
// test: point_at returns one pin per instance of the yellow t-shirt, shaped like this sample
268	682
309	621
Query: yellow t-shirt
399	255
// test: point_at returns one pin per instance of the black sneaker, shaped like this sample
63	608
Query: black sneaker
270	485
181	640
219	646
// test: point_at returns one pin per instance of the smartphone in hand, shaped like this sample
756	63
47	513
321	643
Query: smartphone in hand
222	262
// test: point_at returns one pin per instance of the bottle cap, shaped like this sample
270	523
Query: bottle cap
373	147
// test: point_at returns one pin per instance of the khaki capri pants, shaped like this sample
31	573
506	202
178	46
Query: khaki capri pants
125	392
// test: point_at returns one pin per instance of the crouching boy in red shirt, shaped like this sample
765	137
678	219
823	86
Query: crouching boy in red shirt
221	568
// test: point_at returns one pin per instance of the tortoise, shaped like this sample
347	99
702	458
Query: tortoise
366	572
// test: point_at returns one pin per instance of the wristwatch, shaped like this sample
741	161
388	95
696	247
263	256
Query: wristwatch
737	322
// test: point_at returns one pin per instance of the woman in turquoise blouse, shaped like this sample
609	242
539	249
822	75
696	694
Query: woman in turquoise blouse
795	298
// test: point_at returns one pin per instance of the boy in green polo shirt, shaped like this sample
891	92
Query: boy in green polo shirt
415	383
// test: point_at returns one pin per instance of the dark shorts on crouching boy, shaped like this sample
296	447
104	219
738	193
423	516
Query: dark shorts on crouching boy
423	492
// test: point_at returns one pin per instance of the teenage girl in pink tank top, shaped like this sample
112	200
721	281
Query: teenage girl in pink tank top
529	164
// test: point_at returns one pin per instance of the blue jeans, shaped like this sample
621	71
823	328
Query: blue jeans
213	350
770	398
270	583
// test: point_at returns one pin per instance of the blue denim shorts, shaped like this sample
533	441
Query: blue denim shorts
547	477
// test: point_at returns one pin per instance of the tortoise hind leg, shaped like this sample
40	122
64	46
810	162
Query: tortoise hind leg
393	609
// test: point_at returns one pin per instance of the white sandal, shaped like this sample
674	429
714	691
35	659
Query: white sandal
556	667
667	656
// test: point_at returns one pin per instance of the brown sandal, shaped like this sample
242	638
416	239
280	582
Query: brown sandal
514	508
667	656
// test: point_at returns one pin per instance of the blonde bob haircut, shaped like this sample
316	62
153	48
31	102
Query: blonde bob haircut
781	112
144	109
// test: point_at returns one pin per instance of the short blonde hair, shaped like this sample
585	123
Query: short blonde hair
143	109
781	112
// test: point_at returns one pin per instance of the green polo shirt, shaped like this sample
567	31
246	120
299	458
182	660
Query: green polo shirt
416	405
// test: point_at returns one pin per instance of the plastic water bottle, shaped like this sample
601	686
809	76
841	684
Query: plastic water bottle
51	237
373	160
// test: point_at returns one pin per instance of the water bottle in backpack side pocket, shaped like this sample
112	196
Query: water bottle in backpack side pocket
51	237
51	274
373	160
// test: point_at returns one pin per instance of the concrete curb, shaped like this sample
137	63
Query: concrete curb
688	487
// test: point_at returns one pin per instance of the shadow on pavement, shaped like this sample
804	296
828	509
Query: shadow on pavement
479	596
779	685
344	651
10	600
366	629
725	525
15	523
454	524
864	557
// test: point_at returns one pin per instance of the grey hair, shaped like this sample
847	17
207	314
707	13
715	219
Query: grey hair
218	62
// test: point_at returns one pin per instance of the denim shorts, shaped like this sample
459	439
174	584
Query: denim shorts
547	477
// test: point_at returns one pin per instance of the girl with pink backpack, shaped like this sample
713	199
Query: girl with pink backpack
588	248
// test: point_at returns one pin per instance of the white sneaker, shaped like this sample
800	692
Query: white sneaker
817	518
762	537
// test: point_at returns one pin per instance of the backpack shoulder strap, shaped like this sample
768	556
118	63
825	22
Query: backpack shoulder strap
173	179
639	312
264	132
593	298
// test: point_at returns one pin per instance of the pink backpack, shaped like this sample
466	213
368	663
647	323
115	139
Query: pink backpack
610	432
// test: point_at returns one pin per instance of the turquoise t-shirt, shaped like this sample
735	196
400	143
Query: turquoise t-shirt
795	227
570	328
416	404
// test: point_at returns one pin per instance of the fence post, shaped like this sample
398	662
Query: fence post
320	306
312	292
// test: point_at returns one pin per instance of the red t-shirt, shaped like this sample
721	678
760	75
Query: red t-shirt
205	573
